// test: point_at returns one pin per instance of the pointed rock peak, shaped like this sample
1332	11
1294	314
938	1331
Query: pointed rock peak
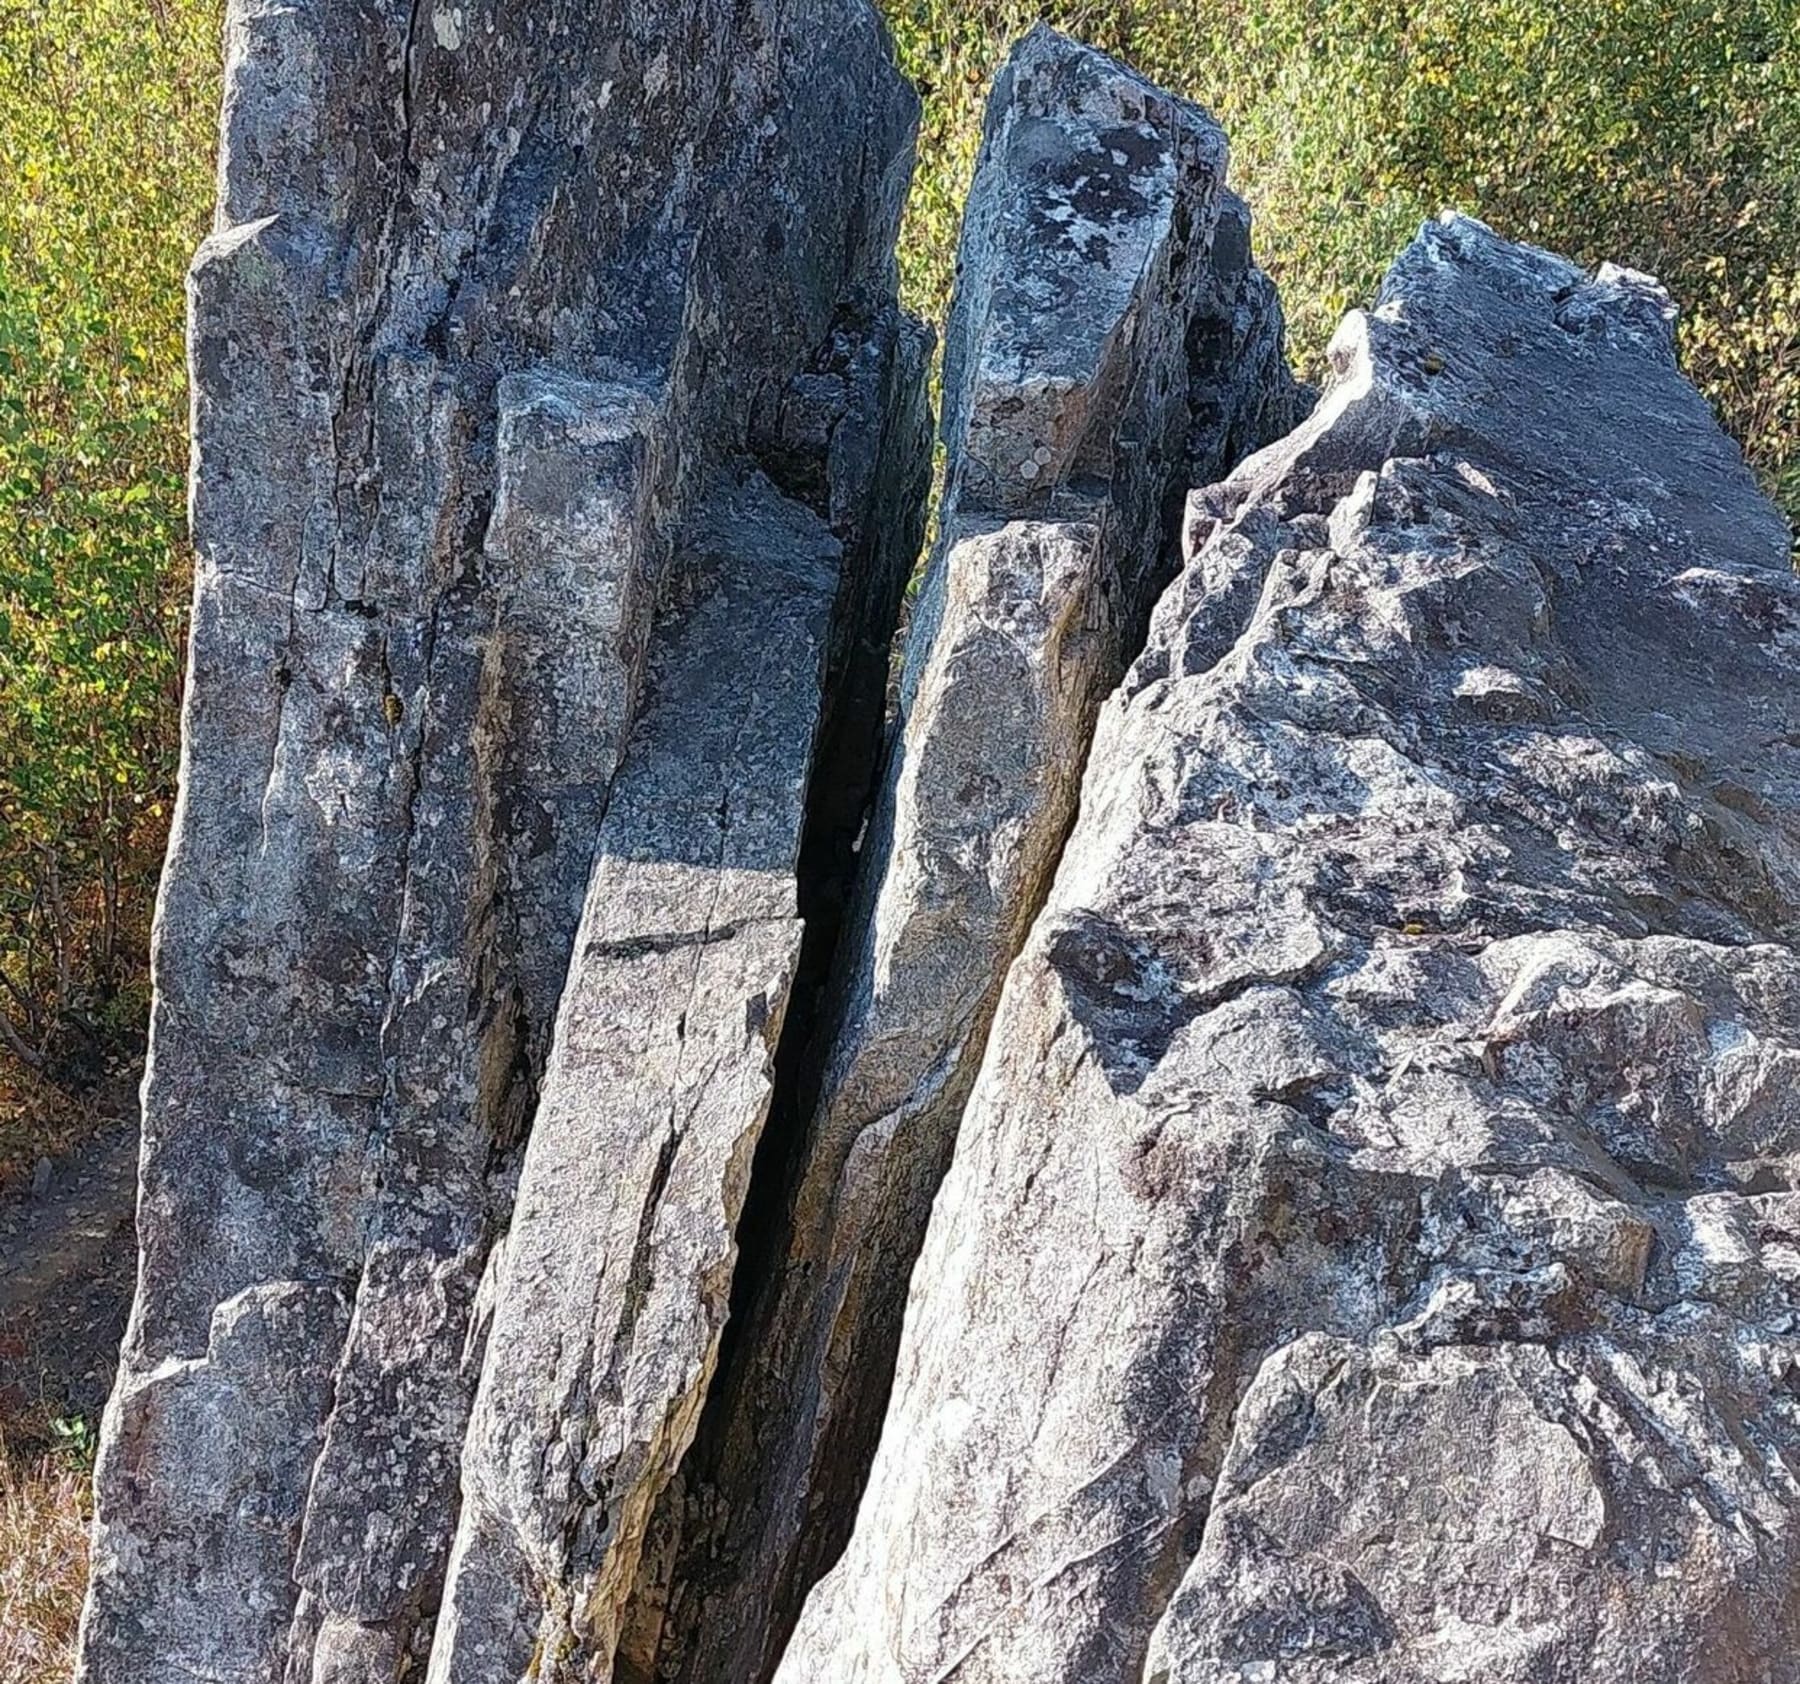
1093	193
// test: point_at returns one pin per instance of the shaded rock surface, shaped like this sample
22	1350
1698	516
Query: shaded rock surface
1370	1251
613	1282
1110	343
497	297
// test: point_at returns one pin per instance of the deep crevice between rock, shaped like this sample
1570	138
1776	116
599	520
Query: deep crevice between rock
827	867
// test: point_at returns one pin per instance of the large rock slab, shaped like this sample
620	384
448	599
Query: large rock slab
1370	1248
615	1275
456	391
1108	322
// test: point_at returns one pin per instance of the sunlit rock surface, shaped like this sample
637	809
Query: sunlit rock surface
1109	345
1369	1252
1362	1048
497	297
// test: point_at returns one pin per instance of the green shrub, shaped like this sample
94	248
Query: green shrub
1664	134
106	120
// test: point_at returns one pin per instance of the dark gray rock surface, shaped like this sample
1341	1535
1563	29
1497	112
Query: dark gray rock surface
495	295
1370	1251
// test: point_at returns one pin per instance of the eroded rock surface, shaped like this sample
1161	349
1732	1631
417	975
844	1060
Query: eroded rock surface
1370	1251
1109	344
497	296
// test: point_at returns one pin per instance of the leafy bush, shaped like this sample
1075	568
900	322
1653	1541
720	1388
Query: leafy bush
1661	133
106	118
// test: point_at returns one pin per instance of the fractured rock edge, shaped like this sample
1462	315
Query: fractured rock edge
1110	343
1369	1249
452	400
616	1269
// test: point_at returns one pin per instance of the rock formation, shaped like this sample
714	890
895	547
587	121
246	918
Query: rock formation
1361	1049
613	1282
1370	1251
503	309
1092	265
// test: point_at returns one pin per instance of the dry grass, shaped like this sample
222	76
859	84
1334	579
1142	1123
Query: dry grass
39	1119
43	1562
46	1417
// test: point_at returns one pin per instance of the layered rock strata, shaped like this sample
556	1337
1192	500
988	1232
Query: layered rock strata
497	297
1370	1251
1110	343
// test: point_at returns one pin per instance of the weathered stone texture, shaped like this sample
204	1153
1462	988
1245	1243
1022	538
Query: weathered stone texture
1096	339
1368	1253
1363	1049
494	295
615	1273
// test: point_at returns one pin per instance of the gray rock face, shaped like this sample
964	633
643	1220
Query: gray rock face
1369	1252
1370	1249
1088	272
496	299
614	1279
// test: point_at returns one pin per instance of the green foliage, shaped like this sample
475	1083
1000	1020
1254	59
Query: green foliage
106	118
1664	134
74	1438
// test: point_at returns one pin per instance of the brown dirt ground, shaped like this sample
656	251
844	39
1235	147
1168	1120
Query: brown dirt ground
67	1259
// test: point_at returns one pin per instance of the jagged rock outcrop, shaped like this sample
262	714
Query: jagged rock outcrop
1370	1248
503	308
1110	344
614	1277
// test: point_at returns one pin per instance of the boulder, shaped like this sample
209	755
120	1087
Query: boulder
1369	1252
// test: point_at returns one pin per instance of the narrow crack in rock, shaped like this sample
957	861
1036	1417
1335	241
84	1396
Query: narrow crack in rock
1092	265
